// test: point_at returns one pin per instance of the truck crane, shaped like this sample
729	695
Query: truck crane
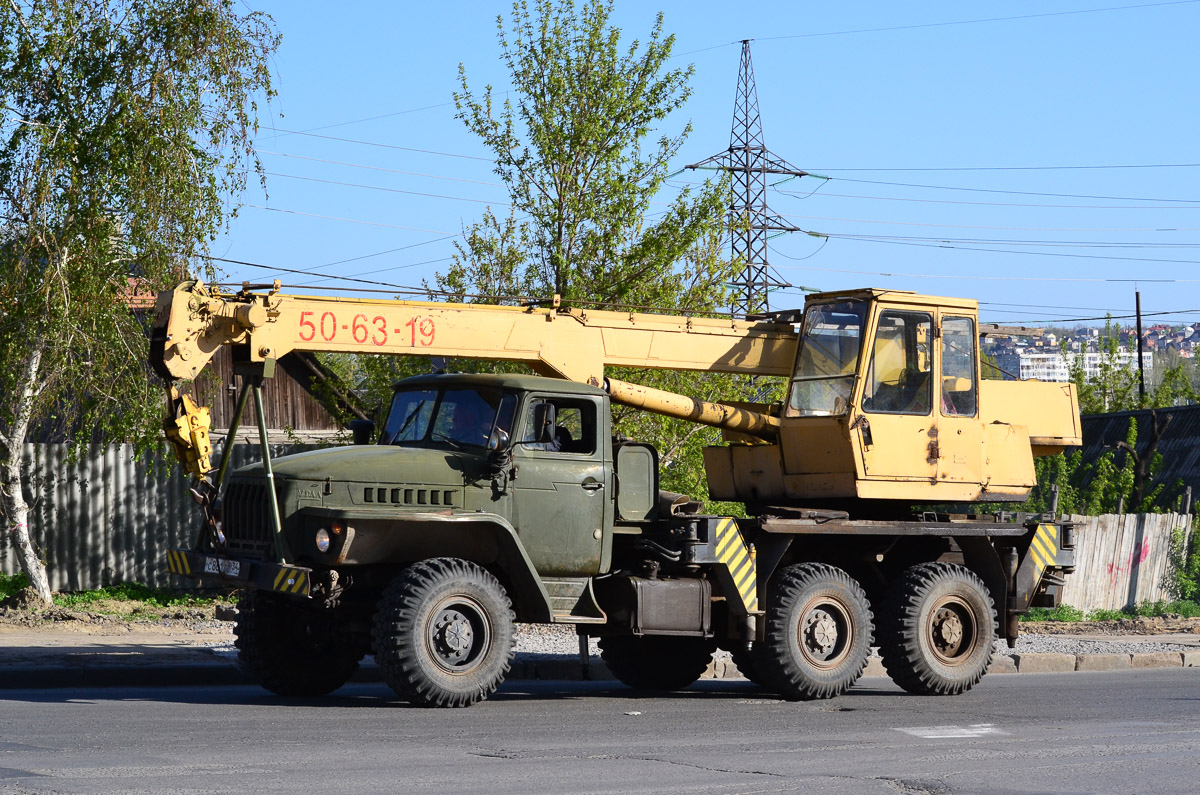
489	499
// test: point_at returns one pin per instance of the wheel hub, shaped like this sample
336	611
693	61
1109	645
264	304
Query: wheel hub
453	632
948	630
952	631
821	631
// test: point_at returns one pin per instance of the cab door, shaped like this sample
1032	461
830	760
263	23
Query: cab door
896	423
960	434
562	490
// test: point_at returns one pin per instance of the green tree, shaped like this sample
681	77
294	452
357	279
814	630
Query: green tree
572	146
575	145
126	125
1115	388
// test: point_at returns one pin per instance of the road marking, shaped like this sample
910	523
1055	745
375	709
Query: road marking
952	732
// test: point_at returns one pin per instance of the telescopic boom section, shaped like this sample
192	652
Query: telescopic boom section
193	321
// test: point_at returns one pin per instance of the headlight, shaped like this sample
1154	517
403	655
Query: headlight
322	539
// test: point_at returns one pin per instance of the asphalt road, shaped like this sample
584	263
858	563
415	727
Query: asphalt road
1121	732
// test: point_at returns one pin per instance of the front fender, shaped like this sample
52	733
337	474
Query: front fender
386	537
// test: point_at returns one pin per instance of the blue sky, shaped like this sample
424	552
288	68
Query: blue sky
937	122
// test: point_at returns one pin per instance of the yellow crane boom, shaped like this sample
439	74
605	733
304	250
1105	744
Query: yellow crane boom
193	321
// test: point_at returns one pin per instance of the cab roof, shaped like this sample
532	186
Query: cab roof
512	381
899	296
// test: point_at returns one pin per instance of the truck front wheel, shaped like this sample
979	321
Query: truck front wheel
938	634
657	662
818	633
292	649
444	633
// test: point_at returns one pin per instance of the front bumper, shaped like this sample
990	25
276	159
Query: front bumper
258	574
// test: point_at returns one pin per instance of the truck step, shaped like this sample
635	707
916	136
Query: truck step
572	601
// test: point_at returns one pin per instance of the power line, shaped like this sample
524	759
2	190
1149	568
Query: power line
1121	317
386	190
363	121
275	269
389	251
996	228
1019	168
1018	192
992	204
406	266
391	146
349	220
976	21
1010	242
997	278
938	24
379	168
869	239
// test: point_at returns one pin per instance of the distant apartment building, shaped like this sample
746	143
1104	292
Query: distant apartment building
1057	367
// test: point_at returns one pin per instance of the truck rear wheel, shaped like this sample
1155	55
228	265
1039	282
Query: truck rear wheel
444	633
657	662
818	633
939	631
291	649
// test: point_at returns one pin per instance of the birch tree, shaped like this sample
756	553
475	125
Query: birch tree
126	126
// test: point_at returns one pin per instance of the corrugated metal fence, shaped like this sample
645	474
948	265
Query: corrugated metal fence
1122	559
106	517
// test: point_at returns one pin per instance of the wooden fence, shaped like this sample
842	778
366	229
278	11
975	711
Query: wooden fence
1123	559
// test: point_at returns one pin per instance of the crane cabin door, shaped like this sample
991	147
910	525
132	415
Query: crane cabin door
960	434
896	423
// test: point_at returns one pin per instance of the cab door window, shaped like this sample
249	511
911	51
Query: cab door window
958	367
574	431
899	370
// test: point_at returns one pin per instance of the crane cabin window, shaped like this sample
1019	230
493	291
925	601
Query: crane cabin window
898	370
830	341
958	367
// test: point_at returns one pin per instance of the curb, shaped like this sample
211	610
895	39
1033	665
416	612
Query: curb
534	667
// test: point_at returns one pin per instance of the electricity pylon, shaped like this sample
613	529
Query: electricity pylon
749	162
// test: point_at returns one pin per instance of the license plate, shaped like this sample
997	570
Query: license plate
230	568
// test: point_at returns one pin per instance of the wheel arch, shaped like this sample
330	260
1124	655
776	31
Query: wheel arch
485	539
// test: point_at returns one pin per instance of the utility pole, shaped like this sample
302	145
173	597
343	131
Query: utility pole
1141	367
749	162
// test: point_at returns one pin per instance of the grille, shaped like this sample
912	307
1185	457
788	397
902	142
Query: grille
444	498
247	517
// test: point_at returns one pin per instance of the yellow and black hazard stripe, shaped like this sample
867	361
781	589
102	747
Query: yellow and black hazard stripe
177	562
738	558
1044	547
289	580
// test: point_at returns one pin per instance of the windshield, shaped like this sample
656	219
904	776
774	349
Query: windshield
827	358
455	418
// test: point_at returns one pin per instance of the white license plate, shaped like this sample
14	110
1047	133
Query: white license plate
230	568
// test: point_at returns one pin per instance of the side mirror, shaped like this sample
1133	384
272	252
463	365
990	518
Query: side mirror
362	430
545	416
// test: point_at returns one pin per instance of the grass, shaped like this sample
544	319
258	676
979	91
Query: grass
1185	608
103	600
